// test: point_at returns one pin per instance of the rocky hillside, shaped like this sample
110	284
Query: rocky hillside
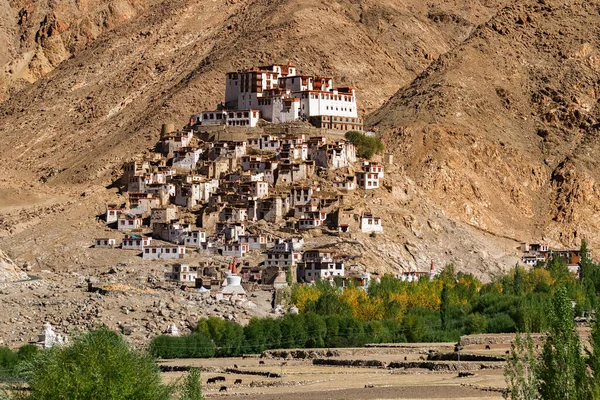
502	132
492	111
9	272
108	99
39	35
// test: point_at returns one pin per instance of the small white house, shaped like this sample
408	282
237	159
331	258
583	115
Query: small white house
367	180
183	273
373	168
128	222
369	223
235	250
255	242
186	158
112	213
135	242
164	252
194	238
282	255
317	270
105	243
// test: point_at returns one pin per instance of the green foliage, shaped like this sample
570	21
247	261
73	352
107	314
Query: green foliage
445	307
518	281
99	365
476	323
191	388
520	371
562	370
196	345
366	146
390	310
226	335
9	361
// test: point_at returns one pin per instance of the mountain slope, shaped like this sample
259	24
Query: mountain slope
107	101
502	132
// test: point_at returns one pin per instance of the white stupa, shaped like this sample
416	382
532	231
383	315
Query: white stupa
172	330
48	338
232	286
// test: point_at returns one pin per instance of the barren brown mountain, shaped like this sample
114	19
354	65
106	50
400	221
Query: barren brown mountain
502	132
492	122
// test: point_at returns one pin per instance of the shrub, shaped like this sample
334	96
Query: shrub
99	365
366	146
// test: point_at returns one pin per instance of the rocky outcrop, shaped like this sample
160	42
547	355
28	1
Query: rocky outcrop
9	272
40	35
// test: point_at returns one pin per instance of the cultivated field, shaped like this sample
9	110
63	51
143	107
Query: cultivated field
411	376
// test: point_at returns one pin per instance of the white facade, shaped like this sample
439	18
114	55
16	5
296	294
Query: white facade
367	180
183	273
336	155
126	222
254	242
374	168
235	249
282	255
194	238
192	194
369	223
255	190
105	243
248	118
163	252
112	213
282	96
186	158
317	270
135	242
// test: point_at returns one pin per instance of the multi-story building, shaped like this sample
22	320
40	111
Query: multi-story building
317	265
281	95
282	255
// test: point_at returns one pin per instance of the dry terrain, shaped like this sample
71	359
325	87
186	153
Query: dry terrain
489	107
492	115
303	380
117	70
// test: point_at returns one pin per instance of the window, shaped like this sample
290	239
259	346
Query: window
153	251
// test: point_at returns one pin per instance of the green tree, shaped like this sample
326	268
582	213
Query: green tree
99	365
520	372
191	388
562	370
585	264
593	360
366	146
445	307
518	281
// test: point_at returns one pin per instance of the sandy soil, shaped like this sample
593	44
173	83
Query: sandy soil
302	380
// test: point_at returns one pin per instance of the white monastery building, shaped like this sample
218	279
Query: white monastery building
277	93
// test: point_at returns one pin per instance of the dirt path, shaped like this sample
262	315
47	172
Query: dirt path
414	392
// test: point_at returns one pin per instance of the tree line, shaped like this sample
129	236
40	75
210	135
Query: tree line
393	311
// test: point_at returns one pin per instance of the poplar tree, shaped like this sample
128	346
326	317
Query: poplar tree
562	369
445	307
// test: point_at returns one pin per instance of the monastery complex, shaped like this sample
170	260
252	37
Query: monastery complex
278	94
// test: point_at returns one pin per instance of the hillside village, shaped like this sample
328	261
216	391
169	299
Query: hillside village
216	189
